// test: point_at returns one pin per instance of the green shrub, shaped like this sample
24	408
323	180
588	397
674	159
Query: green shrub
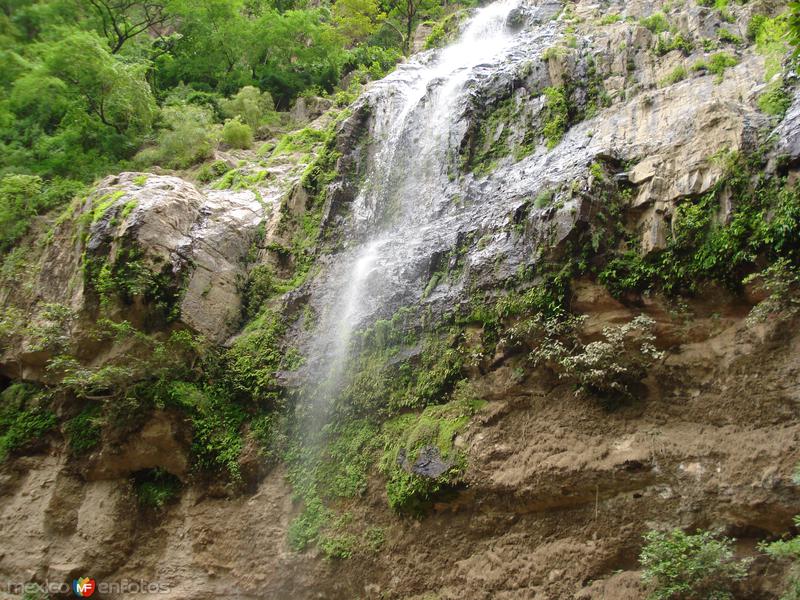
186	138
211	171
775	100
781	281
24	417
754	26
676	75
556	115
680	566
608	368
721	61
667	43
258	288
155	488
84	431
726	36
656	23
250	105
783	550
237	134
609	19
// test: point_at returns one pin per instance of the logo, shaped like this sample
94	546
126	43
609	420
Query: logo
84	587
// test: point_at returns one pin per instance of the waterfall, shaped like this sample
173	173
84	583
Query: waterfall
407	207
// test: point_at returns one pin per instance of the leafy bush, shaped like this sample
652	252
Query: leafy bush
237	134
556	115
676	75
250	105
668	43
787	549
84	431
775	100
20	201
605	368
155	488
187	138
727	37
656	23
24	417
680	566
781	280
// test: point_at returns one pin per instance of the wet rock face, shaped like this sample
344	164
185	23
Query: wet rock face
197	240
429	462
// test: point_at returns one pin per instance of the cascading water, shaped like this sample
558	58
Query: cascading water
410	205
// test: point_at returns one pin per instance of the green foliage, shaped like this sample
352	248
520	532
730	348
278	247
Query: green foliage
260	286
333	467
656	23
783	550
24	417
129	276
555	118
237	134
727	37
84	431
543	199
409	434
609	19
775	100
608	368
188	137
676	75
781	282
690	567
210	171
444	30
156	488
763	223
20	201
250	105
716	64
669	42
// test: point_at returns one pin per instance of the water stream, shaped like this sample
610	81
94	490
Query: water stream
409	204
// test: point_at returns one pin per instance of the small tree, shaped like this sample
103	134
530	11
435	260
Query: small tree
603	368
781	281
237	134
249	104
680	566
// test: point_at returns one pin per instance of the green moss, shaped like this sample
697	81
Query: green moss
128	208
555	118
101	206
490	142
140	180
302	141
407	435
